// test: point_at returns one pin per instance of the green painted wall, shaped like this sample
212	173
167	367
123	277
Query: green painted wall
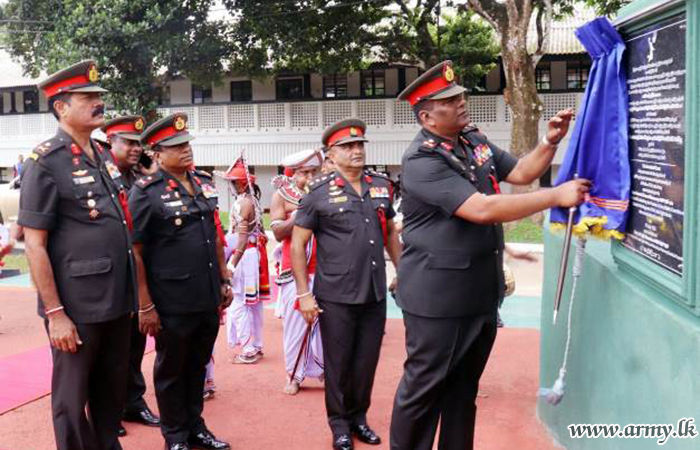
635	355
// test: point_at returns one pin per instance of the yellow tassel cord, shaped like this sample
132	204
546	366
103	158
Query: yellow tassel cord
590	226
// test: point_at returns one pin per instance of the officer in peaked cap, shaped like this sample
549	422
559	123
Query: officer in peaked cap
453	244
73	208
349	212
175	214
124	137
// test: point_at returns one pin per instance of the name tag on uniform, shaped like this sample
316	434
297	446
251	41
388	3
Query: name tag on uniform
84	180
209	191
379	192
173	204
113	170
482	153
342	199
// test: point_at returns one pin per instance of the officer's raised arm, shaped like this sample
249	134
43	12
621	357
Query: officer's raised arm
453	245
533	165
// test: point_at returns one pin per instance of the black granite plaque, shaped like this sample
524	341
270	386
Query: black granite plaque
656	82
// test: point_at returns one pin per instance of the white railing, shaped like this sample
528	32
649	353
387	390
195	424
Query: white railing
302	117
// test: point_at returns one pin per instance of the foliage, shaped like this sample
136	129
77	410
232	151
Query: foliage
470	43
273	36
135	43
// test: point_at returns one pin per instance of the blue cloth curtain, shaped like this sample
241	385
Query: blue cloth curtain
598	149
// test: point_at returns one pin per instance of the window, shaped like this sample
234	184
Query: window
241	91
372	83
543	78
577	74
335	86
290	88
480	86
2	102
31	101
164	95
13	102
201	94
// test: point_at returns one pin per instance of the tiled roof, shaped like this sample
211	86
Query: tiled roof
562	40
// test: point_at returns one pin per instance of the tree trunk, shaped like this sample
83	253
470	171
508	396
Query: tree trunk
521	96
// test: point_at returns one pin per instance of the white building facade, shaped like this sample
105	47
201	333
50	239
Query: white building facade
271	118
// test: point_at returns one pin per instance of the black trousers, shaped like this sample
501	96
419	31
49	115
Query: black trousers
88	388
136	384
183	348
352	338
446	358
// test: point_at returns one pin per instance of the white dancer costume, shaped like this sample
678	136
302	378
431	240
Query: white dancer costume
311	362
244	318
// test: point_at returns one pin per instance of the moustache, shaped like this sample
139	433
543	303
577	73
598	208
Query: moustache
100	110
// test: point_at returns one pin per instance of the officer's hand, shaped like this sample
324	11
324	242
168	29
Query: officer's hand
309	308
226	296
558	125
573	193
63	334
149	323
392	287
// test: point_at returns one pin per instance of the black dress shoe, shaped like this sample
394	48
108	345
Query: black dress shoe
177	446
144	417
206	441
366	435
122	431
342	442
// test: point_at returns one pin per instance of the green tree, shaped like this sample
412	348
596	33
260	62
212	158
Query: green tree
512	20
137	43
329	36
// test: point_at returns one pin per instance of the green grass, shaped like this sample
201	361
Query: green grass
16	262
524	231
224	220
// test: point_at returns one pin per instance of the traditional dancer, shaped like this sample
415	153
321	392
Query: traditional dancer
248	262
299	345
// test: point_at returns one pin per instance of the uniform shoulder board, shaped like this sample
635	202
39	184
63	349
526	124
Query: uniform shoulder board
202	173
46	147
429	144
374	173
148	180
321	180
473	132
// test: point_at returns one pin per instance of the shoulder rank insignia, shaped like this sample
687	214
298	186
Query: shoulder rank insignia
374	173
45	148
148	180
202	173
321	180
430	143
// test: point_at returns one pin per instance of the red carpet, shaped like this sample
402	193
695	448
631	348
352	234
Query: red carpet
26	376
